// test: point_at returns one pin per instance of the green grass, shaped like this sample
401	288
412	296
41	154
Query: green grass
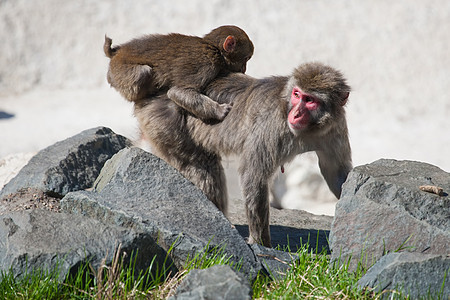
211	257
310	277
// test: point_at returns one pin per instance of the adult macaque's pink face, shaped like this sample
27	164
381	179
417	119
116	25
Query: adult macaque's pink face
303	106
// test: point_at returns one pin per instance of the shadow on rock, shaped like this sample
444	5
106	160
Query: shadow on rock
294	238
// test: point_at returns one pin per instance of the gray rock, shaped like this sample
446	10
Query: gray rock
382	210
217	282
138	190
276	263
41	239
416	274
69	165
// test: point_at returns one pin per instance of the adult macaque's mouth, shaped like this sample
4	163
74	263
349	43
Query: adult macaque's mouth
298	118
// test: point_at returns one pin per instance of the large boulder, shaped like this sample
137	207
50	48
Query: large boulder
38	239
415	274
33	232
69	165
138	190
382	210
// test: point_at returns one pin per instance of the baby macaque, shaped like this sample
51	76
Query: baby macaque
183	65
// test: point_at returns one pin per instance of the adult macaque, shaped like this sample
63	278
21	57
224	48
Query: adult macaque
272	120
182	64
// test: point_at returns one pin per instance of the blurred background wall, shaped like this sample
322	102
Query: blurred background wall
395	54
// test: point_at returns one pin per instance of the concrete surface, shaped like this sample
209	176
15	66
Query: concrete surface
395	55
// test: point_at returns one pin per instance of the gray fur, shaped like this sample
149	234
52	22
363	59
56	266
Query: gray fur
257	130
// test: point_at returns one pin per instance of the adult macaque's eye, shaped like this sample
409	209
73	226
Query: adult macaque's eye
297	94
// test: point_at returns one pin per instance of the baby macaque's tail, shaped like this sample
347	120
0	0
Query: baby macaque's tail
109	52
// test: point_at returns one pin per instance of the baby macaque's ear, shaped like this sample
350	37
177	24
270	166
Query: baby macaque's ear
229	44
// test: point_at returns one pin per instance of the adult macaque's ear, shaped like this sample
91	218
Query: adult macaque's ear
229	44
345	98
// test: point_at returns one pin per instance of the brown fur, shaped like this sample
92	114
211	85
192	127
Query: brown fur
179	64
258	131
